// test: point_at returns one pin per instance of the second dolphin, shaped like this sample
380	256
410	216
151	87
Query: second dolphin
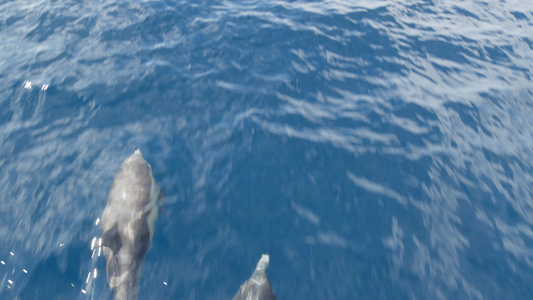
258	286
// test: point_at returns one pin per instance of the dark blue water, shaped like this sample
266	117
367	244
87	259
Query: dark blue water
375	149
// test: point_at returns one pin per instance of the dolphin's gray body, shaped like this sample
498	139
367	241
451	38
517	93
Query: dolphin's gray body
128	225
257	287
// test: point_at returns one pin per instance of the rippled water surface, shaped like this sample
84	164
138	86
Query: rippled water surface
375	149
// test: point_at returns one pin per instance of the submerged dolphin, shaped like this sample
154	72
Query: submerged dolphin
128	225
257	287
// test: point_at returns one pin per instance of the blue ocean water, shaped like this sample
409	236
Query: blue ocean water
375	149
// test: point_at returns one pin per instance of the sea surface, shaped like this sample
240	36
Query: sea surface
375	149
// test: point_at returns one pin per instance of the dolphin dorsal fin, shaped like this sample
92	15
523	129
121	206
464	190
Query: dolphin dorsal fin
111	239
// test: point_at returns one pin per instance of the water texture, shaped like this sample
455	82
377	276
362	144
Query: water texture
375	149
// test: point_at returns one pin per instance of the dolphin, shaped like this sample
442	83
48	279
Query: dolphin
257	287
128	225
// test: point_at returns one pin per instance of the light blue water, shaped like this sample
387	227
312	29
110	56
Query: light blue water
375	149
